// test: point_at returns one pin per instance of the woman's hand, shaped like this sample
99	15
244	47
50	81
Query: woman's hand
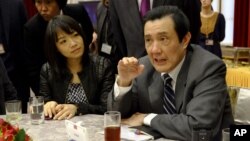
65	111
50	108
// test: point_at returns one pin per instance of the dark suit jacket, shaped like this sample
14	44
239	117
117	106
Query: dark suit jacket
13	17
127	26
101	13
106	35
97	79
7	90
191	8
201	96
34	32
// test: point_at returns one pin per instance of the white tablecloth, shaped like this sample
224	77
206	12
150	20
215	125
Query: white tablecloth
54	130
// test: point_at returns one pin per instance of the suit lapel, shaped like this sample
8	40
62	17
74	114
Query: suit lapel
155	90
102	18
181	81
133	10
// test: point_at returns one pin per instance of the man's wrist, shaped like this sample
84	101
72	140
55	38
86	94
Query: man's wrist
123	83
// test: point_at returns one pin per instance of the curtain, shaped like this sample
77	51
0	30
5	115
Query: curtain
227	9
241	23
31	9
248	25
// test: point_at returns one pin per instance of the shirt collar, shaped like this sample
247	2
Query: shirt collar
174	73
139	4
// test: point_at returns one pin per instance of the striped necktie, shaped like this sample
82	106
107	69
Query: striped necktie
169	96
145	7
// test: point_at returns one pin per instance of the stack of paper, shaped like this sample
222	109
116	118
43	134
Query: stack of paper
134	134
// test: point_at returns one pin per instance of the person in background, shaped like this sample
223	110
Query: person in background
73	82
126	21
191	8
34	31
12	19
212	29
164	90
105	36
7	90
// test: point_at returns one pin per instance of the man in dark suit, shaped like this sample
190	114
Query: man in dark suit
7	90
127	27
199	96
12	19
34	32
191	8
105	40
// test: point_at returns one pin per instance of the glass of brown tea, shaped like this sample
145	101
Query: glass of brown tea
112	123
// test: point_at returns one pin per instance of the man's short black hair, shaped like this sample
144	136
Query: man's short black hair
181	22
61	3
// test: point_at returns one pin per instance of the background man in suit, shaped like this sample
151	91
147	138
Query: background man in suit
12	19
126	22
7	90
199	97
34	32
105	40
191	8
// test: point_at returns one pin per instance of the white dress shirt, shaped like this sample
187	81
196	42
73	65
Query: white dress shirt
139	4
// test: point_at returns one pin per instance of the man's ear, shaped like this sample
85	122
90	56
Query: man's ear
186	39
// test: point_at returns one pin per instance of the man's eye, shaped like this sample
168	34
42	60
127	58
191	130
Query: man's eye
48	1
163	39
147	40
38	1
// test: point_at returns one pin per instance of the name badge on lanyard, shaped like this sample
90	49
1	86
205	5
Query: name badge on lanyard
106	48
209	42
